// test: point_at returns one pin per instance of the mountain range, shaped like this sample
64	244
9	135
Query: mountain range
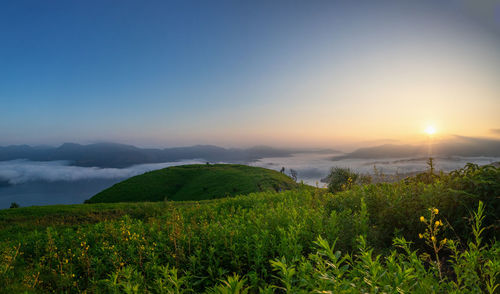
456	146
120	155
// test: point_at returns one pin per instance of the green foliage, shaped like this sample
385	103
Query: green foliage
400	271
14	205
341	179
302	241
428	176
195	182
395	209
17	222
232	285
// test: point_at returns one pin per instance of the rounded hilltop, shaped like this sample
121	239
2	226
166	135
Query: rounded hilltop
195	182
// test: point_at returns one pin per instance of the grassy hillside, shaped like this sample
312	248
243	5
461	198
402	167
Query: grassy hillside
405	237
195	182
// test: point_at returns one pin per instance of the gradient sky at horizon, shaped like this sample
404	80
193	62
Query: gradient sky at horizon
241	73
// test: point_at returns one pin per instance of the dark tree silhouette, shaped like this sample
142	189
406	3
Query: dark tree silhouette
293	174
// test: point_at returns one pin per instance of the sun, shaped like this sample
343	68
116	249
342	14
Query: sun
430	130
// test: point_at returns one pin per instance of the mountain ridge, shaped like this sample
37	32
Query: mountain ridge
458	146
117	155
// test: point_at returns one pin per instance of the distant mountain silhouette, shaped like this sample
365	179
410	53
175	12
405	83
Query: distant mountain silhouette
120	155
458	146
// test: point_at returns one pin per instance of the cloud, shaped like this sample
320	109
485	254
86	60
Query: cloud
311	167
495	131
22	171
314	167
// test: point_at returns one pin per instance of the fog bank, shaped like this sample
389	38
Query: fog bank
21	171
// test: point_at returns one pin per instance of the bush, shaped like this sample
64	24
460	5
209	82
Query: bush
341	179
14	205
394	208
475	269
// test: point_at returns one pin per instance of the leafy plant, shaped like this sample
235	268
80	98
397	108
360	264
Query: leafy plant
341	179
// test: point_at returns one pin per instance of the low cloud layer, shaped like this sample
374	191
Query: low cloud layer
311	168
22	171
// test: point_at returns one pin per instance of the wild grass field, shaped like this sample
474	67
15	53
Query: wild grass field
432	234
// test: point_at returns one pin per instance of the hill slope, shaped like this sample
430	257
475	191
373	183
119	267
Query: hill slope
195	182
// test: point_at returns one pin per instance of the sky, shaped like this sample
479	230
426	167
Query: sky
244	73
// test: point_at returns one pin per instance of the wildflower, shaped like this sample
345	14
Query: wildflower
437	223
440	223
444	241
73	275
420	236
422	219
433	238
435	210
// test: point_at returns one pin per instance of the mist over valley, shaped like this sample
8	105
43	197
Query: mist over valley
70	180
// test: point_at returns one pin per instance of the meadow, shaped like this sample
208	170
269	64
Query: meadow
433	233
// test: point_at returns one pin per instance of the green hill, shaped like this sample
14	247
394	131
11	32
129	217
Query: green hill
195	182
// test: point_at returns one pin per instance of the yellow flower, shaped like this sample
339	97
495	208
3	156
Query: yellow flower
440	222
435	210
437	223
422	219
444	241
433	238
420	236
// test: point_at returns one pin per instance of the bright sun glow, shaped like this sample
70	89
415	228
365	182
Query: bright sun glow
430	130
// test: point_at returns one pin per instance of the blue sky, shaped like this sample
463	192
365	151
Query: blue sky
240	73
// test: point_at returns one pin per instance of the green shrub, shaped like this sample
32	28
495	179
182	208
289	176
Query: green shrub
475	269
395	208
341	179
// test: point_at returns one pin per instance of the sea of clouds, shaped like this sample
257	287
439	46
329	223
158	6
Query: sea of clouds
23	171
311	167
58	182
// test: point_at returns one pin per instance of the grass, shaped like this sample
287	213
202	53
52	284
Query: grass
301	241
26	219
195	182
